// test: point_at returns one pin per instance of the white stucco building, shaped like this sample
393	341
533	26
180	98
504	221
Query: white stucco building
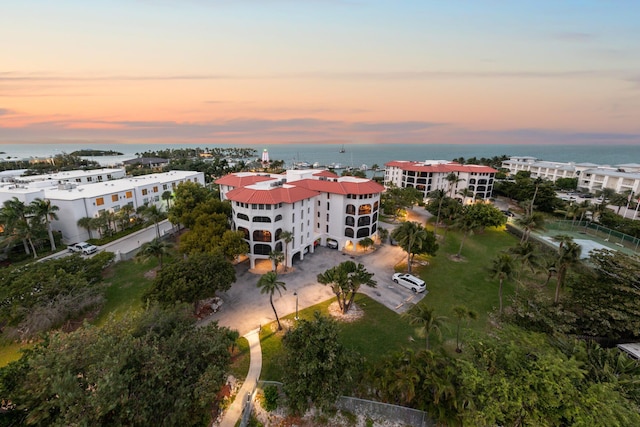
591	177
316	206
93	194
431	175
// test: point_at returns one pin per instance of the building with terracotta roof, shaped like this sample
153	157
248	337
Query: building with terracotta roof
473	182
316	206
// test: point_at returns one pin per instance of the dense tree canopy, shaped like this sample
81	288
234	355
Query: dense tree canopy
192	279
149	369
43	295
316	366
345	279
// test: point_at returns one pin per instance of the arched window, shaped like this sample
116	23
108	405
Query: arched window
375	218
279	246
373	228
278	217
375	207
243	216
481	188
349	221
260	249
348	232
363	232
472	181
245	232
351	210
262	236
471	187
482	182
364	210
278	233
364	220
261	219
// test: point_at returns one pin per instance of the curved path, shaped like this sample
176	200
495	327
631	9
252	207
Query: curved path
234	412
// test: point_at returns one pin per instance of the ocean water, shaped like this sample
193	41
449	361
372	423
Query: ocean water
356	155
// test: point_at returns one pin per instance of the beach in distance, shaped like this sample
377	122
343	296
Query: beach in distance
356	155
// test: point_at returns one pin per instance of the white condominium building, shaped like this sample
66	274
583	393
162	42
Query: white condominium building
591	177
431	175
316	206
79	199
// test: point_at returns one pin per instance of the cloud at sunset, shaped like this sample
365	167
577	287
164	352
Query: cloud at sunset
283	71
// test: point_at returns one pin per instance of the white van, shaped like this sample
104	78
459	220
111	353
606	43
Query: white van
409	281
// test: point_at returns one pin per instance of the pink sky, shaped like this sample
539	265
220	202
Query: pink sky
281	71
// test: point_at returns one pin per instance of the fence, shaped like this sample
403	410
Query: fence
407	416
604	233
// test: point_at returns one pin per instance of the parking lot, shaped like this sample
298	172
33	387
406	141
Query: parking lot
245	308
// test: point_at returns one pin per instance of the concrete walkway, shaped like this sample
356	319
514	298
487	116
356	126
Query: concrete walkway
234	412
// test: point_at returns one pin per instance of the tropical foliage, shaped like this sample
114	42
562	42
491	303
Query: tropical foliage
345	280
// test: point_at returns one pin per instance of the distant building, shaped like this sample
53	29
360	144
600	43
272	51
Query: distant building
427	176
150	162
591	177
316	206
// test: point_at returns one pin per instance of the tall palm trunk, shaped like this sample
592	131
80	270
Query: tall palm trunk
275	312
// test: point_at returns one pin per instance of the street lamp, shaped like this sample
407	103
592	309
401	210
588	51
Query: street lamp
296	295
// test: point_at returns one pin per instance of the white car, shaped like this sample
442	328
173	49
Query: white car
409	281
83	247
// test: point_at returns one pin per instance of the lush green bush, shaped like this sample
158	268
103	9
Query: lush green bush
271	395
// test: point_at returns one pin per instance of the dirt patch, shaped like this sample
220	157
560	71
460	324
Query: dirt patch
354	313
151	274
456	258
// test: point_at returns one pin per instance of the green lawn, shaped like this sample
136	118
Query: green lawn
452	282
126	283
379	331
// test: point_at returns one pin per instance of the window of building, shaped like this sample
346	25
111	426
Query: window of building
261	219
348	232
99	178
327	205
116	208
164	186
129	194
363	232
144	192
100	201
364	210
262	236
364	220
351	210
114	197
261	249
278	217
350	221
155	189
89	179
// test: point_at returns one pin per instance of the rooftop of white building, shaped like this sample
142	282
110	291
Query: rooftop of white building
438	167
67	175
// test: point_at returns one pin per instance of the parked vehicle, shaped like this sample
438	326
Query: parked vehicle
409	281
83	247
332	244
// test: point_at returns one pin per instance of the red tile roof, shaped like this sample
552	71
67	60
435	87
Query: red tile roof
341	187
234	180
440	167
326	173
270	196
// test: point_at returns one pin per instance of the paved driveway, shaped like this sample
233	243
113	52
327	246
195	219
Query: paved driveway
245	308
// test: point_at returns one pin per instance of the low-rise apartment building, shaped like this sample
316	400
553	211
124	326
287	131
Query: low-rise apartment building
79	199
316	206
430	175
591	177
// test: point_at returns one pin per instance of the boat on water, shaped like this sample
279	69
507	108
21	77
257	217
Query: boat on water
342	150
364	167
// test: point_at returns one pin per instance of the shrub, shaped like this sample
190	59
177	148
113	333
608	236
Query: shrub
271	395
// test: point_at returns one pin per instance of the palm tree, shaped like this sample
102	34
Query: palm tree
438	195
383	233
423	317
87	223
366	243
154	214
465	223
276	258
465	193
287	237
44	210
530	222
462	313
453	179
568	257
155	248
345	280
407	234
502	269
167	196
269	284
16	220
